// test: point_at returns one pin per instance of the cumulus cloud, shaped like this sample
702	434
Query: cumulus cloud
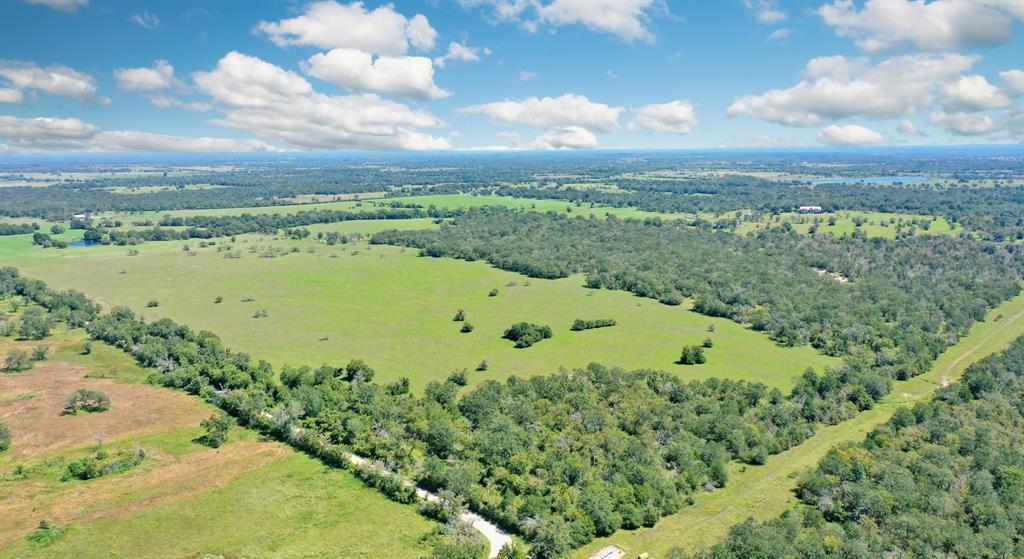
907	128
677	117
147	80
883	25
963	123
766	11
331	25
462	53
1014	79
46	133
626	19
849	135
972	94
553	112
836	87
145	20
403	76
69	6
567	137
14	96
165	102
55	80
279	105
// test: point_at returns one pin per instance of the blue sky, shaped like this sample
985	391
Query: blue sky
88	75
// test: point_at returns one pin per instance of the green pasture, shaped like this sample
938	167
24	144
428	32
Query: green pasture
394	309
876	225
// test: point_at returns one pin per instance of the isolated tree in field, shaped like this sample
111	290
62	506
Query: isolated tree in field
17	360
708	343
466	328
460	315
460	377
216	429
525	334
152	303
34	324
86	348
692	355
483	365
86	400
218	299
40	353
5	437
57	229
493	292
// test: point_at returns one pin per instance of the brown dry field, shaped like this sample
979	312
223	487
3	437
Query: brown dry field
165	479
31	402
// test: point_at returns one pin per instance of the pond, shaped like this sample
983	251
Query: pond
83	243
867	180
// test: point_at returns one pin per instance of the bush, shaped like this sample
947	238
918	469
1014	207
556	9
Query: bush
40	353
102	463
17	360
525	334
460	315
708	343
493	292
262	313
86	400
5	437
460	377
217	427
218	299
692	355
152	303
6	328
45	534
466	328
483	365
581	324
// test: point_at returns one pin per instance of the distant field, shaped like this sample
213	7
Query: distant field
394	309
763	492
248	498
876	225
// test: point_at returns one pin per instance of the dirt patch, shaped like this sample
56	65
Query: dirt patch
168	479
31	402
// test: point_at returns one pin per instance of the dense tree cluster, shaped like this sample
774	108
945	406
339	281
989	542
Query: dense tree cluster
17	228
87	400
103	463
943	479
525	334
581	324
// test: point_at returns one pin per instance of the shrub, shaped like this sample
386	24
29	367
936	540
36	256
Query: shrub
466	328
152	303
45	534
216	429
708	343
460	377
40	353
692	355
5	437
460	315
86	348
6	328
101	463
493	292
581	324
17	360
525	334
86	400
262	313
483	365
218	299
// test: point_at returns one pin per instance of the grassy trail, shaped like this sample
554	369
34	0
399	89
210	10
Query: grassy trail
763	492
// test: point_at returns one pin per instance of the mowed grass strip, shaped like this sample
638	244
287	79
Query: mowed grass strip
394	309
763	492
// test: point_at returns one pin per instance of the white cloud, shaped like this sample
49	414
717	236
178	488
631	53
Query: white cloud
55	80
145	20
626	19
403	76
849	135
963	124
567	137
677	117
553	112
527	75
907	128
939	25
13	96
778	34
1014	79
279	105
69	6
836	87
972	94
612	74
331	25
766	11
147	80
165	102
461	52
46	133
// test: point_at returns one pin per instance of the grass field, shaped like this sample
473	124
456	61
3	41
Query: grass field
248	498
877	225
763	492
394	309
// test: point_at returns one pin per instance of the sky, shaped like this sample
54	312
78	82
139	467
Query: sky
432	75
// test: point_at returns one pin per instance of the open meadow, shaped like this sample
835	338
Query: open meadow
384	304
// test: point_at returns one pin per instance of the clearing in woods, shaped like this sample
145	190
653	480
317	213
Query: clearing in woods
386	305
763	492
